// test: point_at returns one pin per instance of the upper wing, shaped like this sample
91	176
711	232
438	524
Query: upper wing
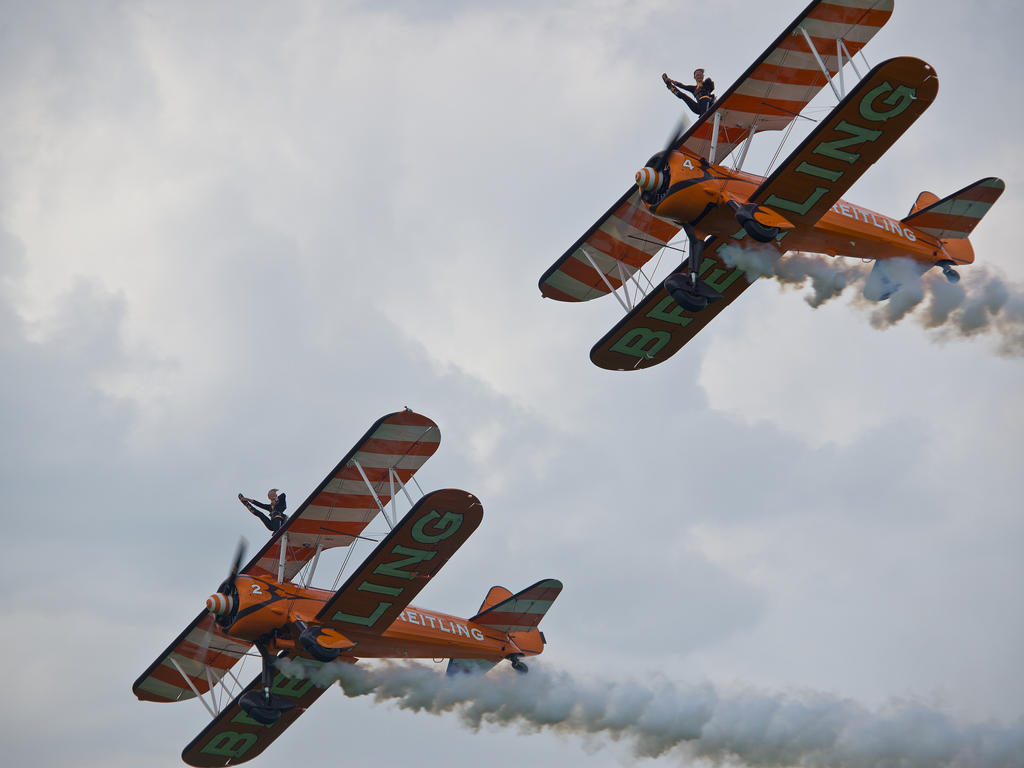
233	737
202	652
776	87
343	504
618	244
404	562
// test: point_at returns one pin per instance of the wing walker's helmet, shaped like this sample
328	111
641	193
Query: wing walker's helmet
698	74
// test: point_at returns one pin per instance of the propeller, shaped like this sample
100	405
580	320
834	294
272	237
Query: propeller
652	177
224	602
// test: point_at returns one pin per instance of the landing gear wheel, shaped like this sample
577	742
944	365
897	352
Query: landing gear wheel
759	231
754	228
308	639
947	269
263	708
518	665
692	298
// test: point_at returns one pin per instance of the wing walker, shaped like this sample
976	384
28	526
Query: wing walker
798	207
269	603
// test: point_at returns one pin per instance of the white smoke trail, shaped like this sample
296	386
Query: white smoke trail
688	722
982	302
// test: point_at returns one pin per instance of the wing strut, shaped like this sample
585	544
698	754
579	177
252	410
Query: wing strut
341	570
404	490
281	560
604	277
312	567
373	493
714	135
842	57
624	278
746	145
817	58
211	710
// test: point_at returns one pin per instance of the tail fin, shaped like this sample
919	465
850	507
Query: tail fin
956	216
925	199
494	596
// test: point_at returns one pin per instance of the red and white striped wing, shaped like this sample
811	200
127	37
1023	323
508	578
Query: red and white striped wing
619	244
523	611
202	652
343	505
773	91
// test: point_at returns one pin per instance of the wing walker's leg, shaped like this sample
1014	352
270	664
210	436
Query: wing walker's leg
686	288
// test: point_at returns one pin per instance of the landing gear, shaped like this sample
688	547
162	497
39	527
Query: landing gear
754	228
516	660
309	638
264	708
260	704
686	288
947	269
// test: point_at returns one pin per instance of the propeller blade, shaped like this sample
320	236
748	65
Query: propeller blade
228	585
682	125
242	543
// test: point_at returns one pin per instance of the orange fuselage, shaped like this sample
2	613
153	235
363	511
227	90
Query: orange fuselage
266	606
699	193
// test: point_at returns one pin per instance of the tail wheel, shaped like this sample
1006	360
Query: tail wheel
518	665
947	269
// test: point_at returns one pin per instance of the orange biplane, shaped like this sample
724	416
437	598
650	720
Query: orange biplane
796	208
270	604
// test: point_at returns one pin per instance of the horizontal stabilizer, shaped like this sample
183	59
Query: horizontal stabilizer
523	611
956	216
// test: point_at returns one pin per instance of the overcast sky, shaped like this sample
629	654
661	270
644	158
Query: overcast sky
234	234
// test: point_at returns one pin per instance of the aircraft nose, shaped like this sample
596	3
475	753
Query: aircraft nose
648	179
218	604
